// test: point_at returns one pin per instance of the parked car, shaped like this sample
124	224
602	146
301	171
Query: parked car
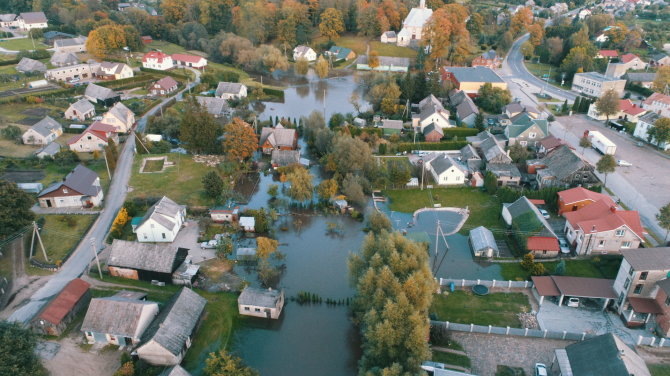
623	163
573	302
209	245
564	246
540	369
545	213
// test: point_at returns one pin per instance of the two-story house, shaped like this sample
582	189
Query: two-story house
595	84
94	138
526	131
658	103
231	90
80	188
645	123
120	117
80	110
627	111
576	198
162	222
278	138
157	60
114	71
564	168
488	59
466	110
412	26
431	111
164	86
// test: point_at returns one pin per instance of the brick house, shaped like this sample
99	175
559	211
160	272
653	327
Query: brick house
488	59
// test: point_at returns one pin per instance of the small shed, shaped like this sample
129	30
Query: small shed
248	224
412	183
341	205
261	303
31	187
56	315
483	243
391	127
225	213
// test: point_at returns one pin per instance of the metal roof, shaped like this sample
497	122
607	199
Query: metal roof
474	74
57	309
164	212
259	297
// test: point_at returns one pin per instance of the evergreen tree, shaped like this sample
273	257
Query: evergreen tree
575	104
198	130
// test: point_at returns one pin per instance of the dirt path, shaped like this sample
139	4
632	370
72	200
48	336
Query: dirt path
73	360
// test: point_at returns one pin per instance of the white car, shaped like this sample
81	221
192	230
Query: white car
573	302
209	245
540	369
623	163
564	246
544	213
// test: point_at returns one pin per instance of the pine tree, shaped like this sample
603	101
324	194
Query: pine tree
575	104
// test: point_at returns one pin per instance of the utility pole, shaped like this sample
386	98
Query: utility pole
95	253
423	169
104	154
36	231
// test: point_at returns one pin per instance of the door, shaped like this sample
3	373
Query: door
48	203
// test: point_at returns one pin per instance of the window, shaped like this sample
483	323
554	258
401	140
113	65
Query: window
643	275
163	234
523	143
630	271
626	284
638	289
532	135
620	232
544	252
625	245
601	243
145	236
90	334
257	309
246	308
667	301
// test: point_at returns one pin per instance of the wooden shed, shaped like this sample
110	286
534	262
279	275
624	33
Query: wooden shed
145	261
59	312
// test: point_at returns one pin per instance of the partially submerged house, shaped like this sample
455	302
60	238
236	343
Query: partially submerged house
162	222
231	90
118	320
144	261
283	158
169	336
80	188
278	138
248	224
261	303
54	318
228	213
483	243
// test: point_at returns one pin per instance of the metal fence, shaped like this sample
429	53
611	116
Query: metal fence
487	283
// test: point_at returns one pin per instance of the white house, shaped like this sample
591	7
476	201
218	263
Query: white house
231	90
74	45
261	303
389	37
412	26
658	103
43	132
431	111
644	124
80	188
95	138
119	116
8	20
248	224
304	52
446	171
80	110
117	320
114	71
189	61
157	60
162	222
32	20
627	111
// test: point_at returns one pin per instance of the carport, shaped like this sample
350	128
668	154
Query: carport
578	287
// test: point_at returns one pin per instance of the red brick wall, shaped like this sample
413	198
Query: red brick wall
663	320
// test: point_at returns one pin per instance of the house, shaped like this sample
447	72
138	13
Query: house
412	27
628	111
248	224
261	303
658	103
524	217
431	111
564	168
337	53
189	61
488	59
470	79
164	86
215	106
466	110
226	213
119	116
80	188
483	243
471	158
526	131
601	228
389	37
385	64
32	20
659	60
605	354
94	138
51	36
304	52
507	174
169	336
641	79
64	59
71	73
644	124
175	371
54	318
74	45
447	171
48	151
642	287
595	84
576	198
231	90
101	95
549	144
584	13
390	127
146	39
80	110
433	133
492	151
283	158
27	65
8	20
633	62
162	222
157	60
278	138
144	262
43	132
118	320
114	71
607	54
515	109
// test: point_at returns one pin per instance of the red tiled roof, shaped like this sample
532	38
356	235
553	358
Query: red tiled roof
608	53
102	127
58	308
657	97
645	305
602	216
542	243
155	55
545	286
577	194
187	58
535	201
630	108
628	58
99	134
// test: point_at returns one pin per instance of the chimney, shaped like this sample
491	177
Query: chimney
422	4
593	228
613	209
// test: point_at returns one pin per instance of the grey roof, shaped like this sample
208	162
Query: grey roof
173	327
596	76
29	65
160	258
7	17
259	297
45	126
162	212
492	149
658	56
642	259
466	109
605	355
69	42
120	111
523	206
213	105
456	97
33	17
481	238
64	58
650	117
391	124
443	163
99	92
390	34
430	105
490	55
514	107
228	88
285	157
118	67
640	77
114	315
277	136
504	170
432	128
83	106
175	371
474	74
51	149
468	152
81	180
562	162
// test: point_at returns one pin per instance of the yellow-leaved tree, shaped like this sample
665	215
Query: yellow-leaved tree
105	39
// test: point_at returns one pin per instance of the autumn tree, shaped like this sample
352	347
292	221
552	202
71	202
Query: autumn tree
350	155
663	218
606	165
301	184
255	19
224	364
326	189
608	104
521	20
536	32
321	67
527	49
662	80
378	222
447	35
366	19
373	59
555	48
578	59
584	143
265	247
660	132
353	190
301	66
174	11
331	24
105	39
239	142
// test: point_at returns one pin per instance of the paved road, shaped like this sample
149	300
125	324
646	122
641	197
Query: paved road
83	255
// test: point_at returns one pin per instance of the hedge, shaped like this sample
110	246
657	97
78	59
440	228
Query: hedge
460	132
118	84
445	145
639	89
166	73
9	62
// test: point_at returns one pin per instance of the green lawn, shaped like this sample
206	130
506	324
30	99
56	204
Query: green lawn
452	359
540	69
498	309
21	44
659	369
181	182
597	267
54	173
359	46
153	165
61	233
484	208
171	48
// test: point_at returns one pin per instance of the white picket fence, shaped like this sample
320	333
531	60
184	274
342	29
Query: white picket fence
487	283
